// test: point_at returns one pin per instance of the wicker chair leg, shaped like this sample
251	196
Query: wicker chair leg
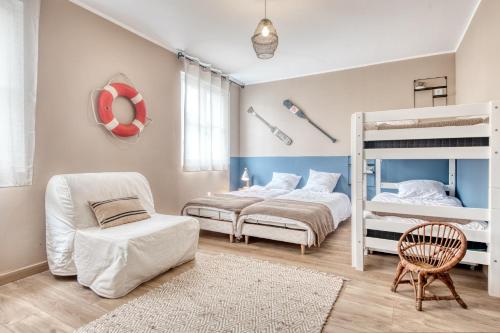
420	291
446	278
397	278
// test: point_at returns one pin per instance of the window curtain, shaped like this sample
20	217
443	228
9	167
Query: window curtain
18	77
205	97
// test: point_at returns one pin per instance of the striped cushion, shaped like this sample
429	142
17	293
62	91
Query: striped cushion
113	212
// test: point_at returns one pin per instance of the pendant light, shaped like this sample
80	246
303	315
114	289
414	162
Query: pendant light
265	38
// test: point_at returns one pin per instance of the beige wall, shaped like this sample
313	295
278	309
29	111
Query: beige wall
78	52
330	99
478	57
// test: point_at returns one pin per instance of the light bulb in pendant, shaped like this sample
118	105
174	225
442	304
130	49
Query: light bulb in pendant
265	31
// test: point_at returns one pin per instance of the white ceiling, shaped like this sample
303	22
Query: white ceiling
315	36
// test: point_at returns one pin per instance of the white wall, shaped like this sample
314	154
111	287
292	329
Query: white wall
78	52
330	99
478	57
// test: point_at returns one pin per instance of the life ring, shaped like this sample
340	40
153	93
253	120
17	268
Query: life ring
106	98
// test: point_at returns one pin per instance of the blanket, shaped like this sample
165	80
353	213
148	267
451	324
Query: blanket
315	215
227	202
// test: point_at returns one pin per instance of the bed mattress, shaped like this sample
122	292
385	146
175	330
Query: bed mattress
209	213
427	123
446	201
338	203
426	143
255	191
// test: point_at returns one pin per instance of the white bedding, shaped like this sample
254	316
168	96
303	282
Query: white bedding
446	201
338	203
257	191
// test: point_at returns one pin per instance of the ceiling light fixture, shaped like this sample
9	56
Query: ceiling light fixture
265	38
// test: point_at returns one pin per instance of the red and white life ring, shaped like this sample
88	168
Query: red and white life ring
106	98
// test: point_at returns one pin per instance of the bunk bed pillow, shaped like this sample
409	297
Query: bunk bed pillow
423	189
283	181
323	182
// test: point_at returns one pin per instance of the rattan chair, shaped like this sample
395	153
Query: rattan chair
427	252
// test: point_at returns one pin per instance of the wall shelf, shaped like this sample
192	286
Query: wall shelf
431	84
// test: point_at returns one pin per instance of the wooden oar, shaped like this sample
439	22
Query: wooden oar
275	130
299	113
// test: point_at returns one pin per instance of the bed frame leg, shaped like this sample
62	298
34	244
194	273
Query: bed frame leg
247	238
302	249
231	238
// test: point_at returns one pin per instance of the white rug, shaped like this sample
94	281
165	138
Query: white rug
226	293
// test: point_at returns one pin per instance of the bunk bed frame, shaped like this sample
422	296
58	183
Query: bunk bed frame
361	135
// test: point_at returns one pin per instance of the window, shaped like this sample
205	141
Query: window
205	110
18	59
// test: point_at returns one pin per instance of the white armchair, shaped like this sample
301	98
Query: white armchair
112	261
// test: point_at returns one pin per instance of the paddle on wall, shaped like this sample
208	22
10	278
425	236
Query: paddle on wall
275	130
299	113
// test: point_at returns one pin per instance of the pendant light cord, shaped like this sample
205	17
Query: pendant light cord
265	8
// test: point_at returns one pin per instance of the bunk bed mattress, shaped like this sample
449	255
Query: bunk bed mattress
338	204
446	201
426	143
445	122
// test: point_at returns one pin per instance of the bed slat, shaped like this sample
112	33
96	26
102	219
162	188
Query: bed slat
465	110
390	246
475	131
427	153
463	213
481	236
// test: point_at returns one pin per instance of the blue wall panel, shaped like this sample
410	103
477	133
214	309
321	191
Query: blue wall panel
472	175
472	182
261	168
395	171
234	173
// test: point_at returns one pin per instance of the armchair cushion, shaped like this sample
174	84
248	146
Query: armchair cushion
114	261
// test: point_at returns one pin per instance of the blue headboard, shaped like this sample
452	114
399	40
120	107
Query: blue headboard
261	169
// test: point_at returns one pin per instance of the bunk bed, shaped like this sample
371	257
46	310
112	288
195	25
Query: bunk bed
455	132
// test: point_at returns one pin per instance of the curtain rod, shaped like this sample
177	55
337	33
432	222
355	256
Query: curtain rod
181	54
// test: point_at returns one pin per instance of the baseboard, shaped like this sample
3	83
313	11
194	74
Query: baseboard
21	273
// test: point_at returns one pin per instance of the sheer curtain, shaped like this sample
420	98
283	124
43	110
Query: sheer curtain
205	99
18	69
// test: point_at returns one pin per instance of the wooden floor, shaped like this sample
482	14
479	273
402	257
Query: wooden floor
42	303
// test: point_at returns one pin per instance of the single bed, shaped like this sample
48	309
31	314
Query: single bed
220	212
447	201
281	228
475	231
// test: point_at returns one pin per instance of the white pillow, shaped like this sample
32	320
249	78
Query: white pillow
283	181
321	181
424	189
